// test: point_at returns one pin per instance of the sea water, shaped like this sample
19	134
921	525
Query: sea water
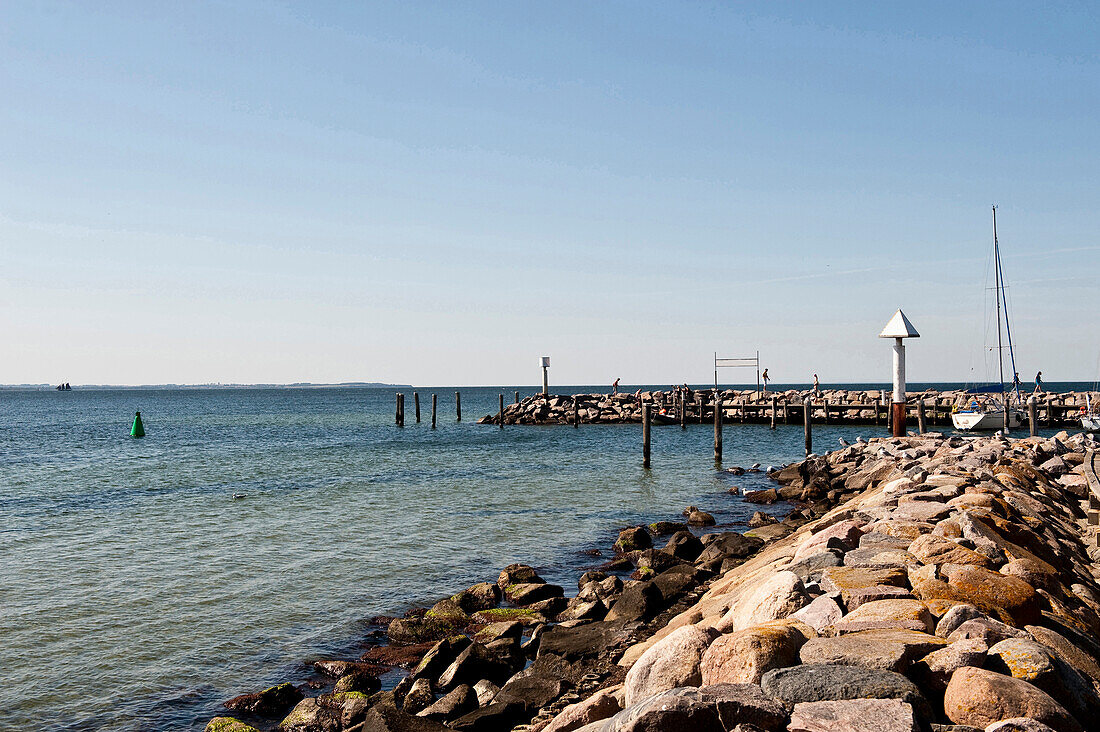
145	581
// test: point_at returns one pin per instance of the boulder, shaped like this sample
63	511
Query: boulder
640	601
700	518
845	532
270	702
515	574
455	703
674	582
989	630
440	656
482	596
979	697
474	663
228	724
888	650
809	568
744	656
878	557
936	668
846	579
386	717
632	539
991	591
533	691
665	528
528	593
419	696
580	642
1018	724
904	614
604	704
774	598
708	709
815	682
309	715
684	546
861	595
494	717
854	715
819	614
955	617
671	662
931	549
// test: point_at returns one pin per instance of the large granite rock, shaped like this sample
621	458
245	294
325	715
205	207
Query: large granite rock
854	715
816	682
742	657
979	697
885	649
670	663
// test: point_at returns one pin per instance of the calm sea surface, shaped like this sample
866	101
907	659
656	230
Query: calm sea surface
146	581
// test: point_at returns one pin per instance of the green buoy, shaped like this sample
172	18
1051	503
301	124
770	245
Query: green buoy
138	430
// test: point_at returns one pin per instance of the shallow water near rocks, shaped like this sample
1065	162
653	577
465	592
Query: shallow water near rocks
146	581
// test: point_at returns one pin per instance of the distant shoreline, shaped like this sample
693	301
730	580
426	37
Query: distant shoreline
298	385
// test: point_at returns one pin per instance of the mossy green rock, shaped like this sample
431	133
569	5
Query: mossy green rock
228	724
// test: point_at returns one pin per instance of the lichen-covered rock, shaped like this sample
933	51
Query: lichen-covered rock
515	574
744	656
978	697
992	591
670	663
936	668
633	539
309	715
418	697
270	702
931	549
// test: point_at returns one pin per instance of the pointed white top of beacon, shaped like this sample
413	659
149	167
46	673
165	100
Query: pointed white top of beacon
899	327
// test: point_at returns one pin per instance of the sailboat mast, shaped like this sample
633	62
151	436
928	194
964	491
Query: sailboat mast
997	291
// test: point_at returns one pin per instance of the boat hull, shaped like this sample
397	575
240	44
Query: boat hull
986	421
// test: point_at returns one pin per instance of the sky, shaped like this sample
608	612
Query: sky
439	193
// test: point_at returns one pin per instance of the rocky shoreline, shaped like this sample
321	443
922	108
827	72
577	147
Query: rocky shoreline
924	583
837	406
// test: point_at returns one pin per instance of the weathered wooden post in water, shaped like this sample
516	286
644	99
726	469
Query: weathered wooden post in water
1032	416
400	410
576	412
717	427
517	397
807	421
645	435
683	415
433	410
502	411
416	405
898	328
920	417
545	362
775	410
458	407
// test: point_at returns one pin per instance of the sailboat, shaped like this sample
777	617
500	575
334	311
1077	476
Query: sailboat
979	408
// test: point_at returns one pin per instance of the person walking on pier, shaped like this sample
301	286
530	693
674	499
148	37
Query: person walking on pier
817	386
615	386
764	378
1039	383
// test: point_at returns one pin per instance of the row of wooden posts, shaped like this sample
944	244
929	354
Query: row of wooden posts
647	419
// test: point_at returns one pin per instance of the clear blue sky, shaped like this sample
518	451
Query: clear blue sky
441	192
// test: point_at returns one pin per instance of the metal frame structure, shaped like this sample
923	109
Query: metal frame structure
737	363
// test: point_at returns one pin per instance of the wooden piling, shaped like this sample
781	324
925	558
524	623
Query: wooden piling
717	428
517	397
502	411
645	435
921	428
1050	412
775	410
786	412
825	409
458	407
807	420
433	410
400	410
1032	416
576	412
416	405
683	414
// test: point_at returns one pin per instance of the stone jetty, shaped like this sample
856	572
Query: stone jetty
931	583
837	406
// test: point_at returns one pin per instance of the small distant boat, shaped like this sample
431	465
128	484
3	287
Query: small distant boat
64	387
985	413
663	417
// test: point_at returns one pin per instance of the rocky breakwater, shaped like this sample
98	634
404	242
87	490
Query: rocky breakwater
851	406
953	588
515	651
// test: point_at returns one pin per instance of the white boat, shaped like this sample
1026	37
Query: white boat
1090	420
1002	412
